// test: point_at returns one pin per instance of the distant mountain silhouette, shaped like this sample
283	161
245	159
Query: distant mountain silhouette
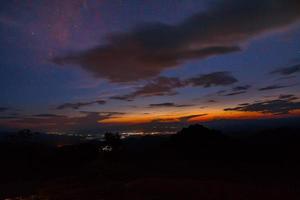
199	135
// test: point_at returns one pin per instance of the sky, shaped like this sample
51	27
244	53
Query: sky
88	64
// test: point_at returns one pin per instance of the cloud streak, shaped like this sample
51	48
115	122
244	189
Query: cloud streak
235	93
284	104
222	78
47	115
287	70
182	119
46	121
273	87
160	86
241	89
188	117
78	105
3	109
168	104
166	86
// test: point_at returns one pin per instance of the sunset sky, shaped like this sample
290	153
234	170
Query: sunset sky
75	64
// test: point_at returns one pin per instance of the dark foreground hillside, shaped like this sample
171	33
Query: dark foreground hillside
195	163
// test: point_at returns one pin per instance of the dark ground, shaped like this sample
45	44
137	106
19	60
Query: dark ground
196	163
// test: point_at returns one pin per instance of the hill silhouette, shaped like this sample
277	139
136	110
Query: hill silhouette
199	135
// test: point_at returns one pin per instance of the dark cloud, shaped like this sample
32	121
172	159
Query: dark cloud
179	119
287	70
212	79
151	48
241	87
160	86
212	101
8	113
87	120
163	86
282	105
46	115
235	93
3	109
168	104
112	113
78	105
188	117
289	97
64	122
235	90
243	104
8	117
123	97
100	116
273	87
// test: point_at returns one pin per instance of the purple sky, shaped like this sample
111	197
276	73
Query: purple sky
72	64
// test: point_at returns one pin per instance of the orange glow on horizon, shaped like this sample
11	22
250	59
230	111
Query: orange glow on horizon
189	116
217	115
